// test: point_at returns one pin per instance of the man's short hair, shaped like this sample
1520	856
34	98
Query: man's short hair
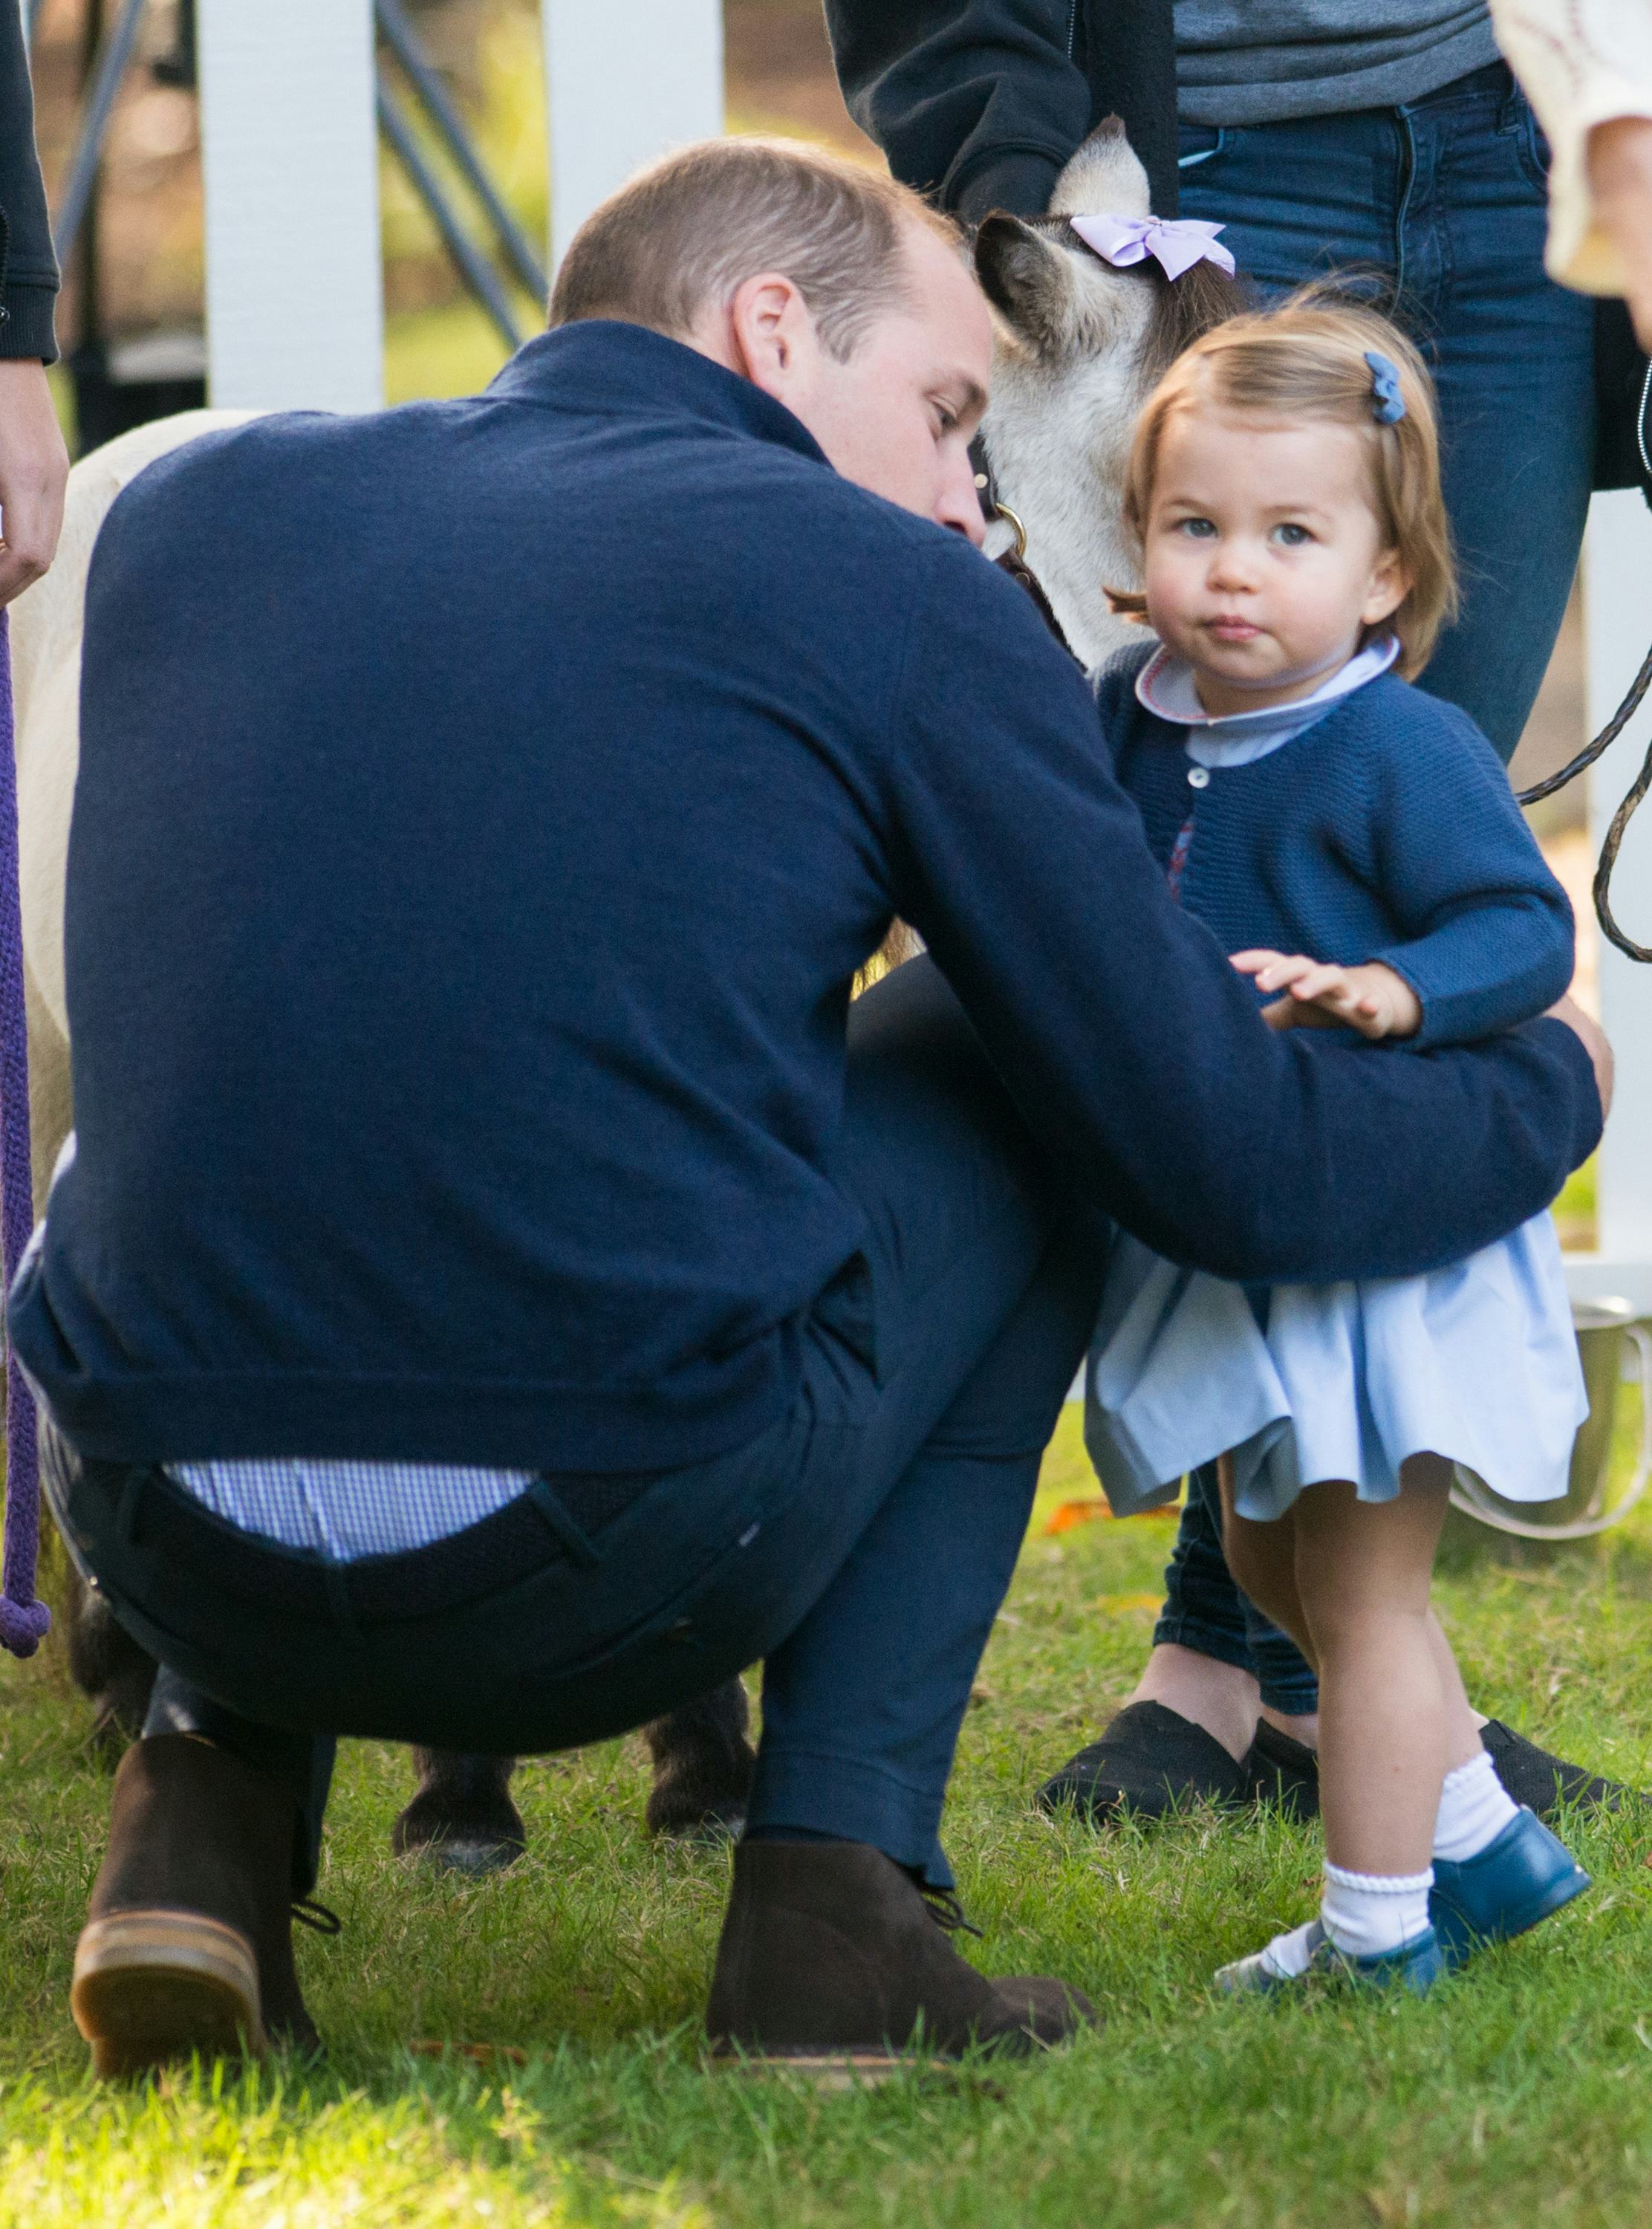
688	231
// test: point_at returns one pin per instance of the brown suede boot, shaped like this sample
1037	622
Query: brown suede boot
188	1945
830	1957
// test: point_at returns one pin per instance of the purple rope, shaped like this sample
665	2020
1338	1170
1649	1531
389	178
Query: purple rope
23	1619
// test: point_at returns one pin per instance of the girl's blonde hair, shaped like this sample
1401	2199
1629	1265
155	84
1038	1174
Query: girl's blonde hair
1306	361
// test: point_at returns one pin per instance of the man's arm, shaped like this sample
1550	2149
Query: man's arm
978	102
1133	1048
33	463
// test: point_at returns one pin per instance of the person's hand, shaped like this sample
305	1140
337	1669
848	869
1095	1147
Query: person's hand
34	468
1371	999
1596	1043
1620	184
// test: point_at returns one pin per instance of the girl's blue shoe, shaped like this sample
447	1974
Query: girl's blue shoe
1416	1966
1515	1881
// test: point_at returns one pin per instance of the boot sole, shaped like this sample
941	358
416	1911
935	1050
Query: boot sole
866	2068
827	2069
154	1986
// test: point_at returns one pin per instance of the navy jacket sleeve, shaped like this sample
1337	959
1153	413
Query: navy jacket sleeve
978	102
1486	930
28	267
981	102
1133	1049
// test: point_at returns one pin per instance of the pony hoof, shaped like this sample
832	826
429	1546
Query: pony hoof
110	1739
711	1828
459	1830
472	1855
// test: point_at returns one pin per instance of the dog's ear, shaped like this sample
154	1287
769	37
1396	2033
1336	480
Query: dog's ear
1104	178
1029	280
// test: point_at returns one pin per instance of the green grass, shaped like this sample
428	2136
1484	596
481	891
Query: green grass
1519	2094
1575	1210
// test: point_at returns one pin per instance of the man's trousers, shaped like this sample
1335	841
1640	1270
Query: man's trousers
859	1547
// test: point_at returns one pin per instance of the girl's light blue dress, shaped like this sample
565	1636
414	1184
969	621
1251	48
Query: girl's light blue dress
1477	1363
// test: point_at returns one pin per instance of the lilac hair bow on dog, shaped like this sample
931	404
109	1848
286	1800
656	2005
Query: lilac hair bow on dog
1176	242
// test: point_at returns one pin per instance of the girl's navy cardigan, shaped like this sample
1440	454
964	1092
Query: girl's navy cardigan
1386	830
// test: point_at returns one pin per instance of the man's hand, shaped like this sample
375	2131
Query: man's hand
1620	182
1371	999
33	468
1595	1042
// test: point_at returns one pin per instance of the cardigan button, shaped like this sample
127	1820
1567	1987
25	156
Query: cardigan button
1198	777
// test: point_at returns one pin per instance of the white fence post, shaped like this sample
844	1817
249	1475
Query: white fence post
623	84
1617	618
289	170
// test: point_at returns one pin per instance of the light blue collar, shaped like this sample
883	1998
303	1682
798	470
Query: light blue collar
1165	686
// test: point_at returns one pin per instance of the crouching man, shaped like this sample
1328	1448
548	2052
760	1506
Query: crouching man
502	1287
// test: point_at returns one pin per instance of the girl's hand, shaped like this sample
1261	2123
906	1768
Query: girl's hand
1371	999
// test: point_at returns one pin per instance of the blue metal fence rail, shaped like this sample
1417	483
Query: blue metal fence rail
491	289
438	104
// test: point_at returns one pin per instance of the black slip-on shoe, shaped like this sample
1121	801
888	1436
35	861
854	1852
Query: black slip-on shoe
1283	1773
1543	1781
1149	1760
1286	1773
832	1962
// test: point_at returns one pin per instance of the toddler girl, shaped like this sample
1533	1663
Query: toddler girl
1354	844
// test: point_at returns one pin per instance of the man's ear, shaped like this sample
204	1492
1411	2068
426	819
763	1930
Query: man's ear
769	330
1392	581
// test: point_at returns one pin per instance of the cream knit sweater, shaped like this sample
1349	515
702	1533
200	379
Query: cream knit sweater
1582	62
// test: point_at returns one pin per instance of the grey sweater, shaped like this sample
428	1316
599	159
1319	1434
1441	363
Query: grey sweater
1256	61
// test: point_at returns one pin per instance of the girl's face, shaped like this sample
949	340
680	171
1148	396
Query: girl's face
1263	560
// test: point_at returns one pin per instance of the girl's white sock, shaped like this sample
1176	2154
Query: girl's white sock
1475	1807
1364	1914
1286	1957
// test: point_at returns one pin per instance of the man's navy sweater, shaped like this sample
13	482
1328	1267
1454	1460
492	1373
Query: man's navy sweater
483	809
1386	829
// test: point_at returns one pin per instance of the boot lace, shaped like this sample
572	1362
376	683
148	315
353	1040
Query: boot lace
946	1912
308	1913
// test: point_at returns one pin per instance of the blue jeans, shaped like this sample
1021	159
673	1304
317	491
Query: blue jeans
861	1546
1205	1611
1440	208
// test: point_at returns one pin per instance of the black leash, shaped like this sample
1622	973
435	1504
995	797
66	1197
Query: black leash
1625	813
1603	742
1014	562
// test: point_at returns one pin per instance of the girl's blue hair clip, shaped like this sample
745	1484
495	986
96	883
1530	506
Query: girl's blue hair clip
1387	403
